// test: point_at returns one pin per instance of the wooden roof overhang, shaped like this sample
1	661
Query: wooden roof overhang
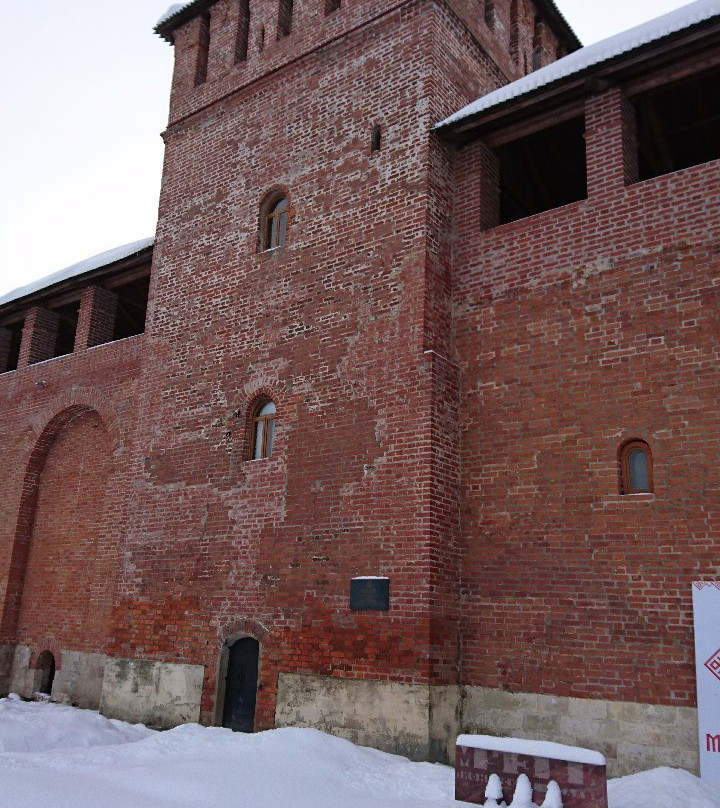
70	290
680	55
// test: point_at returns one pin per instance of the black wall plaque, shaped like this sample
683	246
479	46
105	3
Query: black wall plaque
371	594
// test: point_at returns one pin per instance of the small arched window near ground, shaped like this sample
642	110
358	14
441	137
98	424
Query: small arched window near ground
263	434
275	223
636	468
45	668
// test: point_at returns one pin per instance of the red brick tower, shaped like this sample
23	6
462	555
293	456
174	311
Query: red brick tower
343	323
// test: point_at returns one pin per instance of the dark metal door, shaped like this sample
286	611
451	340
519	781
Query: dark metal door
241	685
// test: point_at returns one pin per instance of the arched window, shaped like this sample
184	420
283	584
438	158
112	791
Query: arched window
275	223
263	430
636	468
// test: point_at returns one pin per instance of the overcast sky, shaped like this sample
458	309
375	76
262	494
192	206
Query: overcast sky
84	96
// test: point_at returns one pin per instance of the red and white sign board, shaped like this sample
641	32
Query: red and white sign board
706	606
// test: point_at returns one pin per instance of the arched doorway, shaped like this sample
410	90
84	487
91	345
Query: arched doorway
44	673
241	685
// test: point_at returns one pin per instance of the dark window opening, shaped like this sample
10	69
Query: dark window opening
261	39
45	668
243	31
67	327
285	13
331	5
542	171
636	475
490	13
677	125
376	138
203	53
10	341
131	308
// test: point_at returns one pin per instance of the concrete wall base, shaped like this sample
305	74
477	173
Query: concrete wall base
632	736
79	680
159	694
417	721
21	678
7	655
423	722
394	717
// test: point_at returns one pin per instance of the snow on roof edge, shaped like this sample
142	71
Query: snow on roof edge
545	749
591	55
172	11
89	264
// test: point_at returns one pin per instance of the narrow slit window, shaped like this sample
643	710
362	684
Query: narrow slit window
263	431
243	31
636	468
490	13
537	44
285	13
514	32
203	53
376	138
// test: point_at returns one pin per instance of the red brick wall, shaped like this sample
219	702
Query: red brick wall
577	329
66	596
64	420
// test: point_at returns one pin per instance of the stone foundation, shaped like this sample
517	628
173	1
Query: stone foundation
159	694
79	680
631	736
422	722
406	719
417	721
7	654
19	676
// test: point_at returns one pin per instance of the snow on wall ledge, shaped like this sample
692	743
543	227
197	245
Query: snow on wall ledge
592	55
544	749
89	264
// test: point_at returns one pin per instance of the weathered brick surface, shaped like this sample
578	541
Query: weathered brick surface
335	328
450	396
64	445
577	329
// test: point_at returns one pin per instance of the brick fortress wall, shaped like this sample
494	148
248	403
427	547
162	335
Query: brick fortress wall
577	329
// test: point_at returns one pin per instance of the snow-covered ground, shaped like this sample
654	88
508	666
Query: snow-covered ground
53	756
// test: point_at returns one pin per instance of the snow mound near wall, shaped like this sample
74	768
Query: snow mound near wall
67	758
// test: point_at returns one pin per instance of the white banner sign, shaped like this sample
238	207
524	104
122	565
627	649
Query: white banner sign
706	606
